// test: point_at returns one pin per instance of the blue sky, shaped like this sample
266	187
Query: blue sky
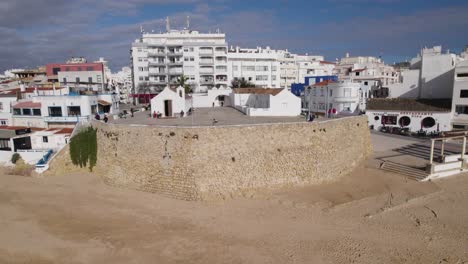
35	32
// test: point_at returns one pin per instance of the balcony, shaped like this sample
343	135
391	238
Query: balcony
158	82
155	73
206	61
176	71
175	62
161	53
203	51
156	63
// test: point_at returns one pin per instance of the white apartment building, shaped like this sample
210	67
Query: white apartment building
430	76
265	67
295	68
258	66
160	59
121	82
361	69
343	97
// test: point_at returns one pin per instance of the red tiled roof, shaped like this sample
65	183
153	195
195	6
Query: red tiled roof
323	83
103	102
271	91
359	70
327	62
65	131
32	89
27	105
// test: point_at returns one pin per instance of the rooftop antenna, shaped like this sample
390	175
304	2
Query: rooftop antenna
168	25
188	22
141	29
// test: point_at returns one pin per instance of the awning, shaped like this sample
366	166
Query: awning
104	103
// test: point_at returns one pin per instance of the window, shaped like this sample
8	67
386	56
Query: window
357	73
140	78
273	68
55	71
3	122
428	122
74	111
273	77
93	109
261	68
463	93
347	92
322	93
331	92
64	80
36	112
90	79
98	77
235	68
459	109
1	106
27	111
376	118
146	78
77	79
389	120
462	74
55	111
16	111
261	78
404	121
45	139
366	83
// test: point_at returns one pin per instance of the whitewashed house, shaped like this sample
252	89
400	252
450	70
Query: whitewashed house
265	102
171	102
335	97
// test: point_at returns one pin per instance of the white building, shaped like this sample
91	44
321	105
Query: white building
366	69
343	97
460	96
160	59
214	97
425	116
430	76
265	67
265	102
171	102
121	82
260	67
61	109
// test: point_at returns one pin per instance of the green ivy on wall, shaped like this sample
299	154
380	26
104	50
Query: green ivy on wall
83	148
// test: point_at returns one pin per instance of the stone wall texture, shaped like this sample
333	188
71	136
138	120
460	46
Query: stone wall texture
205	163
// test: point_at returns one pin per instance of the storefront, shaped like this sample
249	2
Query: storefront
413	120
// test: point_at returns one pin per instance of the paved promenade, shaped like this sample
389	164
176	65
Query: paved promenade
204	117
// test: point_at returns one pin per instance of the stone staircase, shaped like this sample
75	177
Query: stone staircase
417	174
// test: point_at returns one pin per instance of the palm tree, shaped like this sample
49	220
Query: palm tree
182	81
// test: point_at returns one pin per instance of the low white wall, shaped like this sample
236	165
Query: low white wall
5	157
207	99
31	156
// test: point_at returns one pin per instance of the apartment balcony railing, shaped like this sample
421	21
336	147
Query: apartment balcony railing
175	62
206	71
221	80
206	61
176	71
153	73
156	53
205	51
156	63
157	82
174	53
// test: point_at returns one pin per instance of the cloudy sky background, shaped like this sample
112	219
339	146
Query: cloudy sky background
36	32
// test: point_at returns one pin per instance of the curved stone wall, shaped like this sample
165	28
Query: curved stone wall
214	162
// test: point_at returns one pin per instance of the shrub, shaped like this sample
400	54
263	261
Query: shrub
83	148
15	157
